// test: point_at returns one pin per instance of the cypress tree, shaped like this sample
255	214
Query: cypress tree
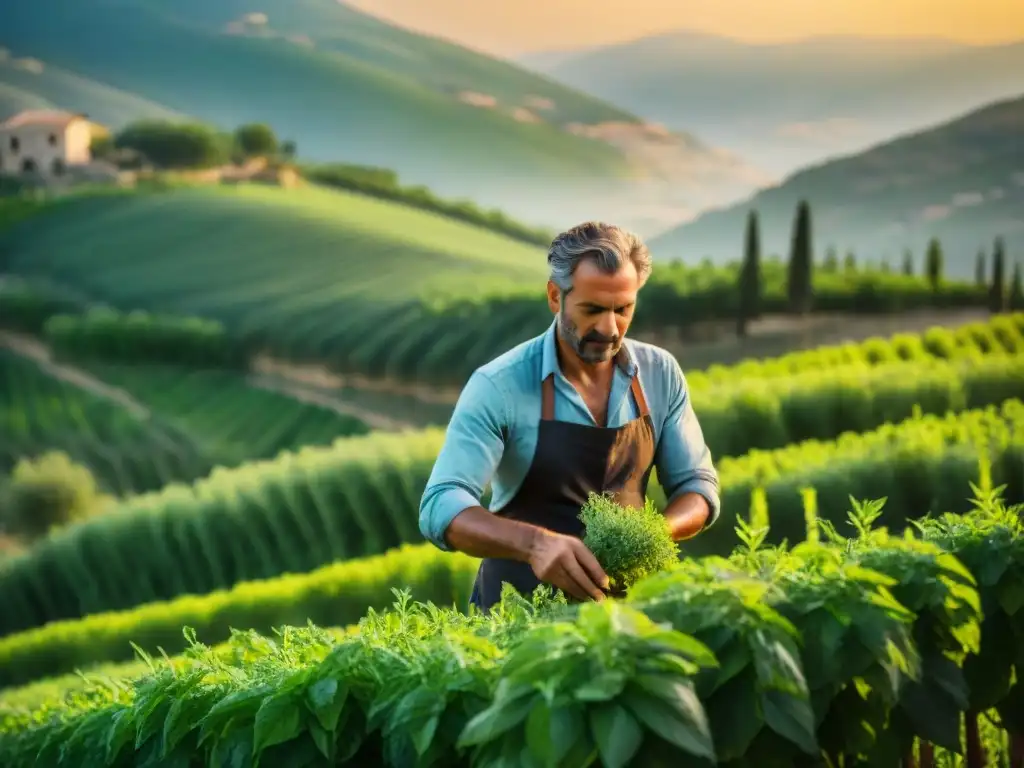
850	263
831	260
908	263
997	288
979	269
1016	300
750	277
933	263
800	262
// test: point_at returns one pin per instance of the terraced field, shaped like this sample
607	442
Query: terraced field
364	286
227	416
360	496
915	419
126	451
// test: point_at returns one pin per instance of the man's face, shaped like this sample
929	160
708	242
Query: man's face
594	316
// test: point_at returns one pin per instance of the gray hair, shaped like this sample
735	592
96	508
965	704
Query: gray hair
609	246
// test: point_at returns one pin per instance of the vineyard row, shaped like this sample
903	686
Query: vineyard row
921	466
846	651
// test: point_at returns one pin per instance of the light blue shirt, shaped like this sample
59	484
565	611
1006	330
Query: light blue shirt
492	434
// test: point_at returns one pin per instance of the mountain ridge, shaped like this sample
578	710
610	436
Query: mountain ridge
961	181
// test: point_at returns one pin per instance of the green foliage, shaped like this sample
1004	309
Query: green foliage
997	301
360	497
124	451
337	594
138	337
841	652
750	278
1016	297
980	274
933	264
908	263
629	543
174	145
46	493
256	140
799	286
467	293
26	305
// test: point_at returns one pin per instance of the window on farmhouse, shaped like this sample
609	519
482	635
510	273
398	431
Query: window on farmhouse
53	139
15	144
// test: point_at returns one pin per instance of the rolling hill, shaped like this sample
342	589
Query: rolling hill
310	274
30	84
782	106
346	86
962	181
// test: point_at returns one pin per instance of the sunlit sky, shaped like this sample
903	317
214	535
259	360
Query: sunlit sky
510	27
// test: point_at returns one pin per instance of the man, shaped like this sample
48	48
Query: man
574	410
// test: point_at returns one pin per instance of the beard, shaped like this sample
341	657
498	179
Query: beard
591	348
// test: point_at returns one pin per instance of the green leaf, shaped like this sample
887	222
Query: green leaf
791	718
664	718
277	721
423	736
1011	709
325	699
324	741
603	687
617	734
119	734
735	716
935	717
568	736
538	734
943	673
498	718
180	720
1011	594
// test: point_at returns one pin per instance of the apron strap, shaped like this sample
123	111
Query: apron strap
547	412
638	396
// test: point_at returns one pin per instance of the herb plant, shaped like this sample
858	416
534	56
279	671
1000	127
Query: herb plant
629	543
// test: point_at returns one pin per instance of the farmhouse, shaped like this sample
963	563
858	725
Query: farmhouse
44	143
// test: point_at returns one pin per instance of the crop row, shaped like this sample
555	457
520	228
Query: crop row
772	486
125	452
1002	333
334	595
883	463
231	418
443	342
139	337
841	652
361	497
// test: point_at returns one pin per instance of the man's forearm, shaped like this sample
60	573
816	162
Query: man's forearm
687	515
480	533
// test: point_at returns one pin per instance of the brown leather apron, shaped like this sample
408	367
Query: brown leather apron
570	462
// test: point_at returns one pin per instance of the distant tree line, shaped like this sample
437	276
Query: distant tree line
800	291
180	146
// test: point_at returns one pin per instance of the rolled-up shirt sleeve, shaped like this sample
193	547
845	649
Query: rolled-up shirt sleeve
682	459
473	446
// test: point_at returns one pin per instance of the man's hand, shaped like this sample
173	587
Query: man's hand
566	563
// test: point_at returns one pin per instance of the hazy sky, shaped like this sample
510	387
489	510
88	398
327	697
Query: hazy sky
508	27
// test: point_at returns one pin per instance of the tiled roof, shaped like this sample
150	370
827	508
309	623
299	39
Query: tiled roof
51	117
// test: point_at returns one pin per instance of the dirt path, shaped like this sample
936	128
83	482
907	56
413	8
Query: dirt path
283	386
35	350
